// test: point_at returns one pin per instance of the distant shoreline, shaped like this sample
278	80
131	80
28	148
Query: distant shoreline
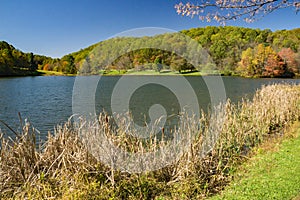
155	73
137	73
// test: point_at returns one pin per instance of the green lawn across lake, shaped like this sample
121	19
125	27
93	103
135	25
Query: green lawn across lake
271	174
151	72
134	72
53	73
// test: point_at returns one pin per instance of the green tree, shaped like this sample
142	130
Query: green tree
69	64
32	64
158	64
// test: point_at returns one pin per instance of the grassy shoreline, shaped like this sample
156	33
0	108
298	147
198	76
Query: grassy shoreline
64	168
53	73
152	73
137	73
272	173
121	73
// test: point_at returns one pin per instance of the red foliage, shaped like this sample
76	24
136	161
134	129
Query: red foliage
289	58
274	66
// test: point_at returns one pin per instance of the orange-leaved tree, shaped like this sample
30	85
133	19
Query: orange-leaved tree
263	61
289	58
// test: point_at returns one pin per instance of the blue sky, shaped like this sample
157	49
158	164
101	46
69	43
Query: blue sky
57	27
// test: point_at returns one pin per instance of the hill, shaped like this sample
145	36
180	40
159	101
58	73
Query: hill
231	50
14	62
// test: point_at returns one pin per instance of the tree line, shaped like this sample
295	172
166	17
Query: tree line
14	62
231	51
251	52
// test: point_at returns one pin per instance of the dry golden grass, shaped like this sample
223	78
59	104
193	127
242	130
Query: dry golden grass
63	167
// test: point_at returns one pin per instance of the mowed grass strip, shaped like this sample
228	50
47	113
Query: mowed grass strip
273	173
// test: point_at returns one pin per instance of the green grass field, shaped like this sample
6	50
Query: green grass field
53	73
153	72
148	72
274	173
132	72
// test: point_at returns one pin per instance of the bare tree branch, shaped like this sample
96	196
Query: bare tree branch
225	10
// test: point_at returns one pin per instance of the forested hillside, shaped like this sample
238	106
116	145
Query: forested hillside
251	52
232	50
15	62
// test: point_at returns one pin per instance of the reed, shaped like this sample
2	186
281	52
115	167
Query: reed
66	165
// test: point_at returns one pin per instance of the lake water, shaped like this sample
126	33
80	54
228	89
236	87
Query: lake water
47	100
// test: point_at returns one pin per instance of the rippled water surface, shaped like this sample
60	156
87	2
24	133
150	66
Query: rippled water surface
47	100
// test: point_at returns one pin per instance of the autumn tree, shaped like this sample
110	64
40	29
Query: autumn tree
177	63
289	58
259	61
247	66
225	10
274	67
123	63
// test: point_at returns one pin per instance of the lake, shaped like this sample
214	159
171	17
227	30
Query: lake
47	100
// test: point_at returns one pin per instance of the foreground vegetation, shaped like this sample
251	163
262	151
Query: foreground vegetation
272	173
62	167
233	50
